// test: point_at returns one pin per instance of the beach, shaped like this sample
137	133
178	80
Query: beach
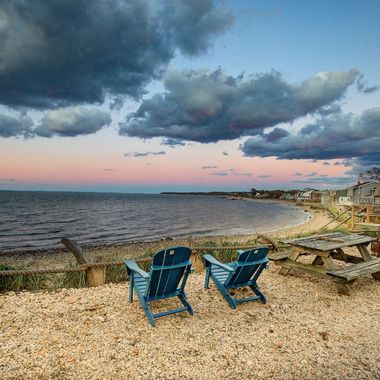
306	331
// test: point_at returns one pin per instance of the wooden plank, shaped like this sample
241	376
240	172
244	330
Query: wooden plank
357	270
364	252
279	255
329	263
312	251
315	242
373	225
301	267
292	258
346	258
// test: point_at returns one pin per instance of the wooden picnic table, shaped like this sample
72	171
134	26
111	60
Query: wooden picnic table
326	248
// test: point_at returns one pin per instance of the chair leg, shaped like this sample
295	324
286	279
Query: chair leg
146	308
185	303
131	291
148	312
258	292
207	278
231	301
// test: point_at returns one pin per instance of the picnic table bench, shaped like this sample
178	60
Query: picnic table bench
326	248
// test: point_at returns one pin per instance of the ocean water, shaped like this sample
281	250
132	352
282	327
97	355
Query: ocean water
34	220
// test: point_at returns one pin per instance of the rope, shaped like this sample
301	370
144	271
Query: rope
84	267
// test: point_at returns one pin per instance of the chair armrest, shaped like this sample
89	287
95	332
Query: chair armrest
212	260
132	266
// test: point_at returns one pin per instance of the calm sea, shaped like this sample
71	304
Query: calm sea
34	220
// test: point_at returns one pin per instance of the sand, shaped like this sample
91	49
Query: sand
305	331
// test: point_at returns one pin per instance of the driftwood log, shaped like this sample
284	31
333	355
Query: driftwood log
95	276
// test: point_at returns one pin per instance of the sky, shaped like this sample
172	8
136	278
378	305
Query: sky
193	95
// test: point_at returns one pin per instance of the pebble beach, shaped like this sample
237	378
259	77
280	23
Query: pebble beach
305	331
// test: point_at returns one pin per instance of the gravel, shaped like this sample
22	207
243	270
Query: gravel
305	331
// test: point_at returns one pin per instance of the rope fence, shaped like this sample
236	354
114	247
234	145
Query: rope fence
84	267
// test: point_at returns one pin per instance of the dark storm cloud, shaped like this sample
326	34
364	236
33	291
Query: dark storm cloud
297	174
72	121
264	176
173	143
205	106
60	53
326	163
362	164
209	167
144	154
337	136
276	135
225	153
15	126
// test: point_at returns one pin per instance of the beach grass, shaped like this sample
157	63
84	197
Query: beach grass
223	250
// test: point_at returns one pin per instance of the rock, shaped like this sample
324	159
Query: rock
251	314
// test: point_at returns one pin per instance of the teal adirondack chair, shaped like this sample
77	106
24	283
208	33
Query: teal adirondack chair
163	281
241	273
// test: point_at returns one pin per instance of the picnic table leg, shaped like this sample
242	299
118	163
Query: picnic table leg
317	261
367	257
330	265
293	256
342	288
342	254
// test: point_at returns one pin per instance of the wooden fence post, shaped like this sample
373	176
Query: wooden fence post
196	261
95	276
353	217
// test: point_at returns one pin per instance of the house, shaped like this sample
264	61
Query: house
376	195
364	193
288	196
310	196
325	198
342	198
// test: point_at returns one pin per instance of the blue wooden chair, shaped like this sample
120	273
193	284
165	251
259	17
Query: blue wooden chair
168	268
244	272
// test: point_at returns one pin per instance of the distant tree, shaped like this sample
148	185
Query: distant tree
370	175
253	191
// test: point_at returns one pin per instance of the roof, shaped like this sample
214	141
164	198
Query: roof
363	184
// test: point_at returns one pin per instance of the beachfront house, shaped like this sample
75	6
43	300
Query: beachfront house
309	196
289	196
326	198
343	198
364	193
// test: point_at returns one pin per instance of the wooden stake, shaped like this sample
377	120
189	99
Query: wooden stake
353	217
95	276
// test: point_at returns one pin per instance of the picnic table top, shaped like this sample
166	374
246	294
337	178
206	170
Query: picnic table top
330	241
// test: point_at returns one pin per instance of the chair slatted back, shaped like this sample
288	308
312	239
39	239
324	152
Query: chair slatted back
167	270
247	264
